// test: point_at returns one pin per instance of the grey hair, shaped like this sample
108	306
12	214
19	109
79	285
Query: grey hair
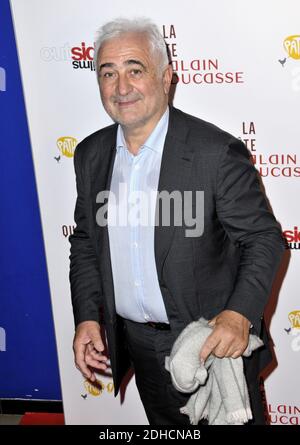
120	26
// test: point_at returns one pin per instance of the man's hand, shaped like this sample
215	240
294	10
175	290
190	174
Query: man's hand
88	347
229	337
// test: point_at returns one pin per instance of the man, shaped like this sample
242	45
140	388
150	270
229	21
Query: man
153	279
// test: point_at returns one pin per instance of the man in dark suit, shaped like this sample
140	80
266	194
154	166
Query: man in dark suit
153	279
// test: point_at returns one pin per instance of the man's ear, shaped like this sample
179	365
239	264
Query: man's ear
167	78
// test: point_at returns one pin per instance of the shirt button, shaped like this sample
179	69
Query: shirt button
137	282
135	244
136	167
147	317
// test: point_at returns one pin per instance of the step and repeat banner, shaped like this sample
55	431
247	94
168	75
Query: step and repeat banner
238	66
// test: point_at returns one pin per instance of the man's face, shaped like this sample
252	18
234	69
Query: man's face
133	91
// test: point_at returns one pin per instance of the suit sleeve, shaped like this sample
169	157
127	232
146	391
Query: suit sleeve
85	282
243	211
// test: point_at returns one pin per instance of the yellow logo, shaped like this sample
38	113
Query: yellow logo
96	388
292	46
66	145
294	318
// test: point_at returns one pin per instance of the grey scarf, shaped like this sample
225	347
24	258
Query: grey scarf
219	388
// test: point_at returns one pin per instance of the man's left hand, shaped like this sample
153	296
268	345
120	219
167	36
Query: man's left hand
229	337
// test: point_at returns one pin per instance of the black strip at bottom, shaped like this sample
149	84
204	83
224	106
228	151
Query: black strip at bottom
33	406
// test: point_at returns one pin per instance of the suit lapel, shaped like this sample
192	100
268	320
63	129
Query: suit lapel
174	175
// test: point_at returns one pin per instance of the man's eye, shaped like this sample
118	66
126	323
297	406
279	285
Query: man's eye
107	75
136	72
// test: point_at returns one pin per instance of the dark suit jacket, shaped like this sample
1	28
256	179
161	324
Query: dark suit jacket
231	266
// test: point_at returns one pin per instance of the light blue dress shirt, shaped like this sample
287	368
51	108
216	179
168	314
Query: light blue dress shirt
131	227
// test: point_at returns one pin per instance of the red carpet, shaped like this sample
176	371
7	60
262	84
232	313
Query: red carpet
42	419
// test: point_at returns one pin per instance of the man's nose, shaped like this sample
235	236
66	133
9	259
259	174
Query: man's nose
124	86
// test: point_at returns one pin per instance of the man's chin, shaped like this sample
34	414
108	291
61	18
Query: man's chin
129	122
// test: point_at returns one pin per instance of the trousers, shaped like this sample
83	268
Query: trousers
148	348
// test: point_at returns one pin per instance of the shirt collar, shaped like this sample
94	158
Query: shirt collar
156	139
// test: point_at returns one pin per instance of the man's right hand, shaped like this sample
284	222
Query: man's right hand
88	347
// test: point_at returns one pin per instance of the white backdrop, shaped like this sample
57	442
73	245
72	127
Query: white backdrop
254	47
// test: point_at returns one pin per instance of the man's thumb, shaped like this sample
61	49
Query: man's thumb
212	322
